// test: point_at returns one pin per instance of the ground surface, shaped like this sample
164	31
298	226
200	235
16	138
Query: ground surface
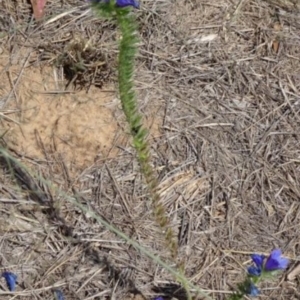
218	83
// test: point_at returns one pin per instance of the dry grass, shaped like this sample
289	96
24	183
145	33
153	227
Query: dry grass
219	82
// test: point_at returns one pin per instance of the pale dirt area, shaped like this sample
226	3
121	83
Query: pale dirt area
44	122
78	127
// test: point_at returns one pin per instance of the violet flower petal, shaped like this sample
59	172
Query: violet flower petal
120	3
59	295
276	262
254	271
11	280
258	259
124	3
253	290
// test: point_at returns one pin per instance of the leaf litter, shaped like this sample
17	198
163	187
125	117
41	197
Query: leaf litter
226	101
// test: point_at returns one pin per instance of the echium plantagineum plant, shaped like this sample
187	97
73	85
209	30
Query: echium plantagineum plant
263	268
119	11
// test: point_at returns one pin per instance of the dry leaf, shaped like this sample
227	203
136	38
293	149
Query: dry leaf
38	8
275	46
292	275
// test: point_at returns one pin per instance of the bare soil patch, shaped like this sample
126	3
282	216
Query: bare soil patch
45	122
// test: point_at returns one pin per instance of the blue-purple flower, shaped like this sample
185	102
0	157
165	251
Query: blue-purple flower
158	298
254	271
252	290
124	3
121	3
59	295
11	280
258	261
276	262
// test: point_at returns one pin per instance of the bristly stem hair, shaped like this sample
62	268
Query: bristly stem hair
127	51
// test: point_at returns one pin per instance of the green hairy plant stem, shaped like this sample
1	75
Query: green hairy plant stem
129	104
127	51
126	63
